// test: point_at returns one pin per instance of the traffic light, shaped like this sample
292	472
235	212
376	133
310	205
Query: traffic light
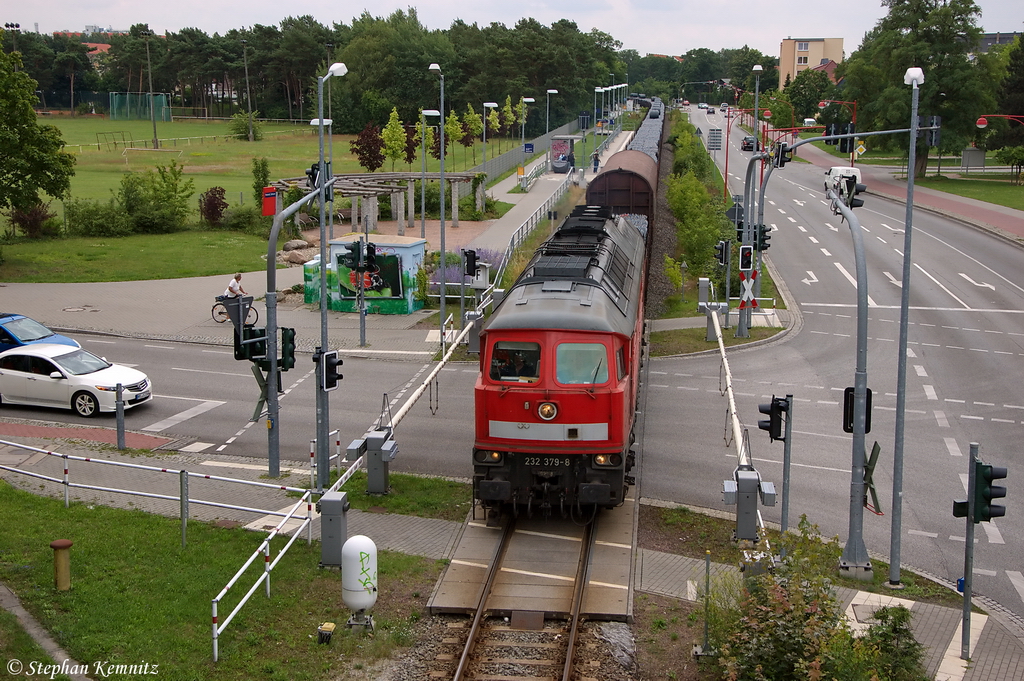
774	410
312	175
257	349
370	257
762	238
784	155
721	251
329	375
241	351
287	348
740	228
846	144
852	189
350	258
933	137
830	130
746	258
470	263
985	492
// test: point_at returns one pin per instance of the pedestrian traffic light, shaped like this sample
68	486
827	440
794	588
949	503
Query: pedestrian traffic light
852	189
721	252
784	155
985	492
312	175
774	410
846	143
470	263
287	348
370	257
762	238
746	258
329	375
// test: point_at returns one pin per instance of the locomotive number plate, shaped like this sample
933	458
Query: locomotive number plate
546	461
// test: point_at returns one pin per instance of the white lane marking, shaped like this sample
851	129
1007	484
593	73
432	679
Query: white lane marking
982	571
920	370
939	284
219	352
539	574
910	353
614	545
852	280
919	533
893	279
482	566
801	228
203	371
952	446
827	254
1017	580
929	392
183	416
160	347
93	340
813	240
810	279
982	284
940	418
834	229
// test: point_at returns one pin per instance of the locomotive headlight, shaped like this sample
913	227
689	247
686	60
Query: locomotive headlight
547	411
488	457
607	459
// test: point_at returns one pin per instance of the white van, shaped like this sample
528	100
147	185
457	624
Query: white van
808	122
842	172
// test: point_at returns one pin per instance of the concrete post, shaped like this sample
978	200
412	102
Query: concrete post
62	564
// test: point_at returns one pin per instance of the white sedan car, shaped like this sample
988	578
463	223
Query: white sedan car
50	375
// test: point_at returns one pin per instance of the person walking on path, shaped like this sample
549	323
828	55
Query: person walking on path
234	288
596	157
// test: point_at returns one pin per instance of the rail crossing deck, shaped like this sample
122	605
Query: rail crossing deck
539	568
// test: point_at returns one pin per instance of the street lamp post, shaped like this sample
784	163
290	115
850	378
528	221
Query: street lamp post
522	129
15	29
436	69
596	90
423	180
152	110
547	123
248	100
322	420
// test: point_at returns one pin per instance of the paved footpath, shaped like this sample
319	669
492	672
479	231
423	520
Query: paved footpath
178	310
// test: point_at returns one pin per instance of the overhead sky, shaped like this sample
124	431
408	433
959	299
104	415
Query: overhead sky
647	26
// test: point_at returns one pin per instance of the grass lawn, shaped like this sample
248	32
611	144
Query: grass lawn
999	192
137	596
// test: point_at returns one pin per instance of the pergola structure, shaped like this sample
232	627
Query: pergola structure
375	185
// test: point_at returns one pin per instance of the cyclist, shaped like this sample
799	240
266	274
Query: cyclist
234	288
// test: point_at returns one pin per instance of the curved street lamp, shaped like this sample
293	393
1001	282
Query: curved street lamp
547	124
522	128
423	177
487	105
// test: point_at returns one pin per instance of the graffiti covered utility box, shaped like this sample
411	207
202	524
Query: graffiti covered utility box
390	288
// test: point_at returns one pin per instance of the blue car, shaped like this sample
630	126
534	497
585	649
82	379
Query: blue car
17	330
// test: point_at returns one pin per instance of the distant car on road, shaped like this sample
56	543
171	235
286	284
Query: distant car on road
702	105
711	110
17	330
749	143
54	375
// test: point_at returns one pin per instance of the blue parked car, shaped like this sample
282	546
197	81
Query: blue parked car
17	330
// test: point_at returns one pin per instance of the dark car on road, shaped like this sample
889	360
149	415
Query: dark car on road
17	330
749	143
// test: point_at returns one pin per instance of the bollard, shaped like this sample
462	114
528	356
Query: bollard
62	564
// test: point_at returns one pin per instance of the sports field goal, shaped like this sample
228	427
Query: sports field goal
189	112
134	106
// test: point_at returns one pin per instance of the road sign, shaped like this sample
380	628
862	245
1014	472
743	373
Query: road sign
528	147
861	149
747	298
714	139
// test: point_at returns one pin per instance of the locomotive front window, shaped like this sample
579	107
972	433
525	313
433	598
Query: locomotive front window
581	363
515	361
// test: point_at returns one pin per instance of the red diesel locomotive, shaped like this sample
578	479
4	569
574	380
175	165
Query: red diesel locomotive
556	398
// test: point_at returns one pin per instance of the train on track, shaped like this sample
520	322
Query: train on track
560	356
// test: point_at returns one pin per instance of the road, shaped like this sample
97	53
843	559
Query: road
966	341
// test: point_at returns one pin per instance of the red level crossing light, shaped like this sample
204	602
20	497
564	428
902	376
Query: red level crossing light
746	258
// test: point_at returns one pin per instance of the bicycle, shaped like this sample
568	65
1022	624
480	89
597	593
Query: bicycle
219	312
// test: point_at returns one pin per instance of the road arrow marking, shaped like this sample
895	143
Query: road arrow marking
982	284
811	279
834	229
799	203
893	279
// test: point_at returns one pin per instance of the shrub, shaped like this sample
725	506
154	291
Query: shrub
260	178
248	219
212	206
239	126
35	221
93	218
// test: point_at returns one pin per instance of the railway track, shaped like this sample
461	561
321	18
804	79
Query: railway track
502	645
